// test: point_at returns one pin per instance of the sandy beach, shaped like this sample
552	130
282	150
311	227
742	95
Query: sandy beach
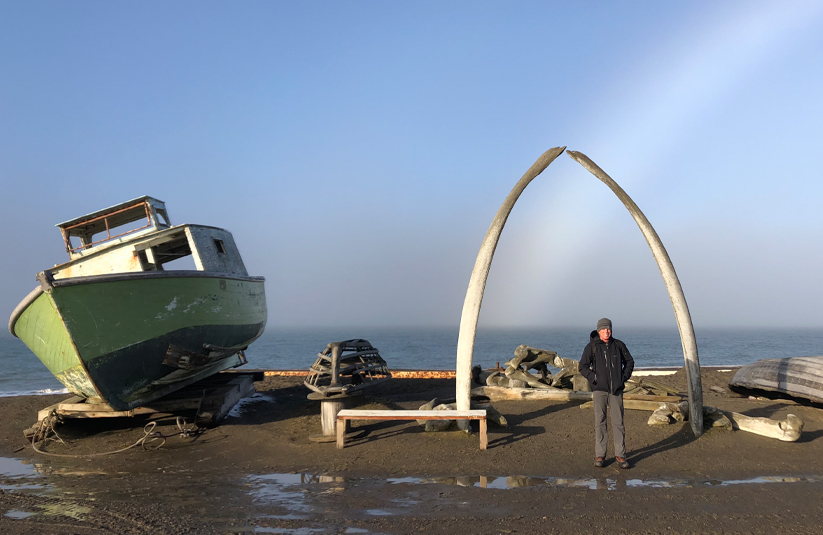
259	473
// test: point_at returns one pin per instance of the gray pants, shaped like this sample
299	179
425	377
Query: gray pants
601	435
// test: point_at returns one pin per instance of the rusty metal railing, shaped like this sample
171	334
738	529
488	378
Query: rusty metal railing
67	234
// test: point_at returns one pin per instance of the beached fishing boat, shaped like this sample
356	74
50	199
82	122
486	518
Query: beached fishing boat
124	323
795	376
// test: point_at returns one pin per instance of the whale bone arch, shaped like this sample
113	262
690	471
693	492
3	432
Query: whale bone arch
678	299
477	282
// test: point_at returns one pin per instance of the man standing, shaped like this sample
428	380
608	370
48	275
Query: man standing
607	365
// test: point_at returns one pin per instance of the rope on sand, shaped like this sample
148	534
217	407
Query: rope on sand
151	440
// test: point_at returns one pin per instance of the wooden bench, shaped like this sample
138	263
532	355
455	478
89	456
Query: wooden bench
351	414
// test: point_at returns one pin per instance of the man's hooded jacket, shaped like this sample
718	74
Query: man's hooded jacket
606	365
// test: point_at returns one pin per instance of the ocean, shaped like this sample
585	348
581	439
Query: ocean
435	349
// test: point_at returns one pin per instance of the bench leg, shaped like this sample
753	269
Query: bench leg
484	438
341	433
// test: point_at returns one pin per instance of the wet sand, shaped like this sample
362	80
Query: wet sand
259	473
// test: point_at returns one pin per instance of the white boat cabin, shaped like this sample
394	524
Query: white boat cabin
138	236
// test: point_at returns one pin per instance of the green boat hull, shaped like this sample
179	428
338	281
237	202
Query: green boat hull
109	337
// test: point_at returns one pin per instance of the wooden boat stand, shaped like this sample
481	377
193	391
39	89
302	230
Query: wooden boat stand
212	398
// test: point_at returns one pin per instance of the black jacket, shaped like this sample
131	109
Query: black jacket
607	366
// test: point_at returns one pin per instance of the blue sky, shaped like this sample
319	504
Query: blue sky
359	150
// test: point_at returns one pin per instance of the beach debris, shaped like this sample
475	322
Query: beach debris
660	417
569	375
643	385
480	273
787	430
515	382
345	367
45	431
496	393
668	413
714	417
641	402
492	415
678	299
531	358
493	377
800	377
516	374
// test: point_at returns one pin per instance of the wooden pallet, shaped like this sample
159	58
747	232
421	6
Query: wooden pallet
212	398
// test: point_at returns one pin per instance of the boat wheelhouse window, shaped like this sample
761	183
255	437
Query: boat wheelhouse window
171	255
219	245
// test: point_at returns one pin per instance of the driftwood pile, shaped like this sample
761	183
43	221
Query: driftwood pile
643	385
516	373
516	383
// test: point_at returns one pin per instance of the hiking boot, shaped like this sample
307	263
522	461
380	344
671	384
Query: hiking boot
622	462
599	462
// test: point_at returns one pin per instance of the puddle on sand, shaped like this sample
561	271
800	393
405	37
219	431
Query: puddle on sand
291	490
17	475
305	496
513	482
19	515
16	468
289	531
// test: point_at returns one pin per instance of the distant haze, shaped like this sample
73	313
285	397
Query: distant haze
359	151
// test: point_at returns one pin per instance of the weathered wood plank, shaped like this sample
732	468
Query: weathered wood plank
222	394
354	414
42	413
501	393
218	403
96	414
636	404
341	436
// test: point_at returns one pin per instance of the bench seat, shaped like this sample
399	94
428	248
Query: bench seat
353	414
